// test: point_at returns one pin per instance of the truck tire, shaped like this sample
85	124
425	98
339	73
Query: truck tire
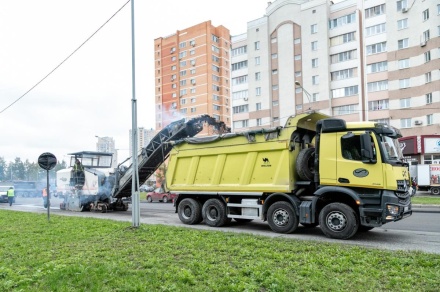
305	163
338	220
189	211
282	217
435	191
214	213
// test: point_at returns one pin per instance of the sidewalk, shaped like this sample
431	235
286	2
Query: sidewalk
426	208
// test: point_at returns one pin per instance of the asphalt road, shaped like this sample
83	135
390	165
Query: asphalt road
420	232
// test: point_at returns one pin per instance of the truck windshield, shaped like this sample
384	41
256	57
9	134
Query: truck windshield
391	148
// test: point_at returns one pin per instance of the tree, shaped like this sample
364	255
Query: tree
3	168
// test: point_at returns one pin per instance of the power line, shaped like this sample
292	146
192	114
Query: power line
68	57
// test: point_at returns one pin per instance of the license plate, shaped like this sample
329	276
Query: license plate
406	209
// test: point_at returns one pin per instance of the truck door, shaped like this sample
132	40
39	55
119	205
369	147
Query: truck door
351	171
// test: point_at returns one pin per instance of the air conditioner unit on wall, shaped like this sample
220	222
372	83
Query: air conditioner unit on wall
418	122
422	44
404	10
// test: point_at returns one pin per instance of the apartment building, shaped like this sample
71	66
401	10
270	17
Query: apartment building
107	145
357	59
144	137
192	75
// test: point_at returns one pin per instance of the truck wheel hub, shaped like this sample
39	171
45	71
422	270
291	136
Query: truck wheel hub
336	221
187	212
212	214
280	217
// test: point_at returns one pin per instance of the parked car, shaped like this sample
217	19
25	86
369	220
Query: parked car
144	188
160	195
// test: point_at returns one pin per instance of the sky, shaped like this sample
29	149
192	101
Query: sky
90	94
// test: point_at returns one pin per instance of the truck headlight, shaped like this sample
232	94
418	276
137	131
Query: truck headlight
392	209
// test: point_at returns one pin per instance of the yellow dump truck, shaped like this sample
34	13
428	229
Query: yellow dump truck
346	177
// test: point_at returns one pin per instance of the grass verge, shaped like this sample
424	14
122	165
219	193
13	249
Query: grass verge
425	200
86	254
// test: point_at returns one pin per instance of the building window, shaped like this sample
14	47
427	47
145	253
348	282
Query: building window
345	109
258	91
426	35
429	119
428	77
174	95
173	58
298	90
216	107
275	87
193	109
425	14
174	85
173	68
240	109
192	52
315	97
274	71
401	4
215	49
297	57
404	63
314	45
258	106
297	41
402	24
274	56
257	61
257	76
215	87
239	80
298	73
240	94
193	71
376	48
183	110
375	11
273	40
214	59
256	46
216	97
375	29
315	80
405	102
183	92
402	44
405	123
275	103
182	73
315	63
378	105
239	65
241	124
340	21
182	101
404	83
343	74
428	98
377	86
345	91
343	56
182	45
427	56
215	68
377	67
342	39
259	122
314	28
239	51
182	63
183	82
182	54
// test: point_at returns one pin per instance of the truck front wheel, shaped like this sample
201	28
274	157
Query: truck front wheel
338	220
189	211
282	217
214	213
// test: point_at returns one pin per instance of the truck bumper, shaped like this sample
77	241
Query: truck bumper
392	209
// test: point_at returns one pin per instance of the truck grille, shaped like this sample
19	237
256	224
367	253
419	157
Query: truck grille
402	189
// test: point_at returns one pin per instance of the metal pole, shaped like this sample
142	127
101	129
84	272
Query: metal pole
48	197
135	175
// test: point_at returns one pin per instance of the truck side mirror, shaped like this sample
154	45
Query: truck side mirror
367	149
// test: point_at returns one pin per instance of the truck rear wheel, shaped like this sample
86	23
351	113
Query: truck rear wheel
214	213
338	220
305	163
435	191
189	211
282	217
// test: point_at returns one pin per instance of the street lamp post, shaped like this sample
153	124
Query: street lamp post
297	83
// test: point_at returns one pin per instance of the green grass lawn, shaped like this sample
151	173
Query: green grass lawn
425	200
86	254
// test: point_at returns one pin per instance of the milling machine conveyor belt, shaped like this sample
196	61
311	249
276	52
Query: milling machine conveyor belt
155	153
